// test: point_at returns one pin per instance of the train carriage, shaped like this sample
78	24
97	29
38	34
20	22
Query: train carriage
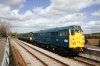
25	36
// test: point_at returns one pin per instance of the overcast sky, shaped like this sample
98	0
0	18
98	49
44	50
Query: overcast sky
33	15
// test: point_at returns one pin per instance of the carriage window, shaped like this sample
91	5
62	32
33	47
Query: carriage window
64	33
72	32
54	34
49	34
61	33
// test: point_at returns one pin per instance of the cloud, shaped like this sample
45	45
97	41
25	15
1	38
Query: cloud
59	13
59	8
13	15
9	10
28	15
13	3
96	13
92	27
6	13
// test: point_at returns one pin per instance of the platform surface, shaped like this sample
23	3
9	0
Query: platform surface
92	46
2	49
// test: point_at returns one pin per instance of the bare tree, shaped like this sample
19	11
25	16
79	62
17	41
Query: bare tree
4	28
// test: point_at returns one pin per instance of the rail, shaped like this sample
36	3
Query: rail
92	54
45	64
5	61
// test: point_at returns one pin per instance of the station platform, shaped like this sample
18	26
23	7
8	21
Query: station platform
2	49
92	46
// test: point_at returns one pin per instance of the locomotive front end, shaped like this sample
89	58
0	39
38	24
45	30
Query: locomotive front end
76	40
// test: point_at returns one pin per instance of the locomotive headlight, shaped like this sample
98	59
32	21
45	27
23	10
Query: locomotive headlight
83	40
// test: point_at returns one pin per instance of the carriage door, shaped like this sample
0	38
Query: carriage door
61	38
64	38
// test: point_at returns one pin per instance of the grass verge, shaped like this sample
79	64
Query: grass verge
11	56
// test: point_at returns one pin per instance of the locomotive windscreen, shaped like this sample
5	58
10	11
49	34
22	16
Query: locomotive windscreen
76	27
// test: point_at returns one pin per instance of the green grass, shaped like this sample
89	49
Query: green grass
10	53
11	57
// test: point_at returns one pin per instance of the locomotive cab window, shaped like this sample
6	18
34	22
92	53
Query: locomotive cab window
76	27
77	31
72	32
82	32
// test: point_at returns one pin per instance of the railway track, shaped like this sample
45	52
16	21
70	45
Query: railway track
87	63
43	58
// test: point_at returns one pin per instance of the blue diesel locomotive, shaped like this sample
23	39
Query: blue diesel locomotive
68	39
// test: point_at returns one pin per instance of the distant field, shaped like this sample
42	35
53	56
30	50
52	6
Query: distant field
0	39
93	41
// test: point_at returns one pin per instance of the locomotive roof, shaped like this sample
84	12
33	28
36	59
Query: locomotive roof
55	29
